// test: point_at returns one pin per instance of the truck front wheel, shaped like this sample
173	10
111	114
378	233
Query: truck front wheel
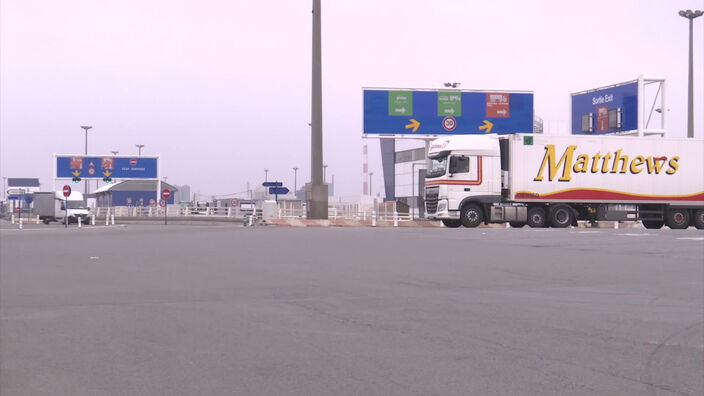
536	217
677	219
449	223
471	216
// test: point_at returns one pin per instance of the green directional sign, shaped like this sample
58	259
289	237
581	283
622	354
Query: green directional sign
400	103
450	104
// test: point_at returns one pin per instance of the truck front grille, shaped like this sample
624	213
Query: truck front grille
431	199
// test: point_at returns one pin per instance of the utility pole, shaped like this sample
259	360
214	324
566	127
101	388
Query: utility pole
318	199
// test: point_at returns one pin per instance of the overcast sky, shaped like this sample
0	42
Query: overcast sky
221	89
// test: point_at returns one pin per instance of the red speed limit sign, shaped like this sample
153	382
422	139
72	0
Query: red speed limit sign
166	193
67	191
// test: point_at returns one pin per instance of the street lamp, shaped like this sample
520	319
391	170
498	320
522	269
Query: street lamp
139	146
295	180
370	183
266	175
85	190
325	167
689	14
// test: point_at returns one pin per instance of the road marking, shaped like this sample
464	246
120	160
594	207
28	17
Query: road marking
635	235
584	232
693	238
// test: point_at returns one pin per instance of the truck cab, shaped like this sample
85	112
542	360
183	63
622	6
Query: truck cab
462	172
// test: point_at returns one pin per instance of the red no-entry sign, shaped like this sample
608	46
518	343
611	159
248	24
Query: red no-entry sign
166	193
67	191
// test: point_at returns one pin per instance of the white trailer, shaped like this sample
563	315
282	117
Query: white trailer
51	206
543	180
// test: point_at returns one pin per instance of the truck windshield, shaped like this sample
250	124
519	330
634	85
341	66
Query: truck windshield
436	166
76	205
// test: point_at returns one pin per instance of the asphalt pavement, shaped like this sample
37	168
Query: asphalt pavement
231	310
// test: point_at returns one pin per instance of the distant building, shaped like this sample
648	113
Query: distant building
132	193
183	193
20	188
26	184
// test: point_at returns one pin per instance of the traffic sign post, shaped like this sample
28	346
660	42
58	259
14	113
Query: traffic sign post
66	191
165	195
278	190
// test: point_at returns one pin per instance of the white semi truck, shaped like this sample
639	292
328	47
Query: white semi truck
51	206
553	181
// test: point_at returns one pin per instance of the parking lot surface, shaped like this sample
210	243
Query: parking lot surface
223	310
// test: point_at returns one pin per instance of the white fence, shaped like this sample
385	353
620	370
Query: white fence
286	209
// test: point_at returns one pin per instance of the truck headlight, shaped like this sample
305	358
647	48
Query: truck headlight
442	206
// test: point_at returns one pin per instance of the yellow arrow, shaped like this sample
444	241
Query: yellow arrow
487	125
107	173
414	124
76	173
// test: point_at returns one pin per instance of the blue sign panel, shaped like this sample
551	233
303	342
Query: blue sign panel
452	112
272	184
107	166
278	190
605	110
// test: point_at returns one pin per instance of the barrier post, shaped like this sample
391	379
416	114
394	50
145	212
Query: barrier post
395	219
37	219
373	218
112	219
20	221
92	219
79	221
13	218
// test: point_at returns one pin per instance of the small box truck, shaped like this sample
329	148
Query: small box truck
51	206
554	181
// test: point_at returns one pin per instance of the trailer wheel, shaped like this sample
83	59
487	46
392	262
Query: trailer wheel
698	219
561	216
45	221
449	223
677	219
471	216
653	224
536	217
516	224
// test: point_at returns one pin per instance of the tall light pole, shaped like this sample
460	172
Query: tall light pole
4	192
370	183
85	188
318	205
295	180
139	146
325	167
266	175
689	14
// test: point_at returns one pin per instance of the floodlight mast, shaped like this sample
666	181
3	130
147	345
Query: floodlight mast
689	14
